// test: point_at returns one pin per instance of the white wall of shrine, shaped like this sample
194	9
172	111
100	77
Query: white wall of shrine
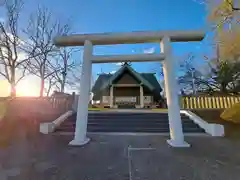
146	99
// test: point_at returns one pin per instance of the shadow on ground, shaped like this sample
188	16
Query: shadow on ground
120	158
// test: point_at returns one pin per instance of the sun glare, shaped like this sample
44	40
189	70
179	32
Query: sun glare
27	89
24	88
4	88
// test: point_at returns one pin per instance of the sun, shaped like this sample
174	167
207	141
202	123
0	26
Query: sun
23	88
26	88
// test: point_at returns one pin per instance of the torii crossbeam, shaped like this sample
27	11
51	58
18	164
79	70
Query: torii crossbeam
164	37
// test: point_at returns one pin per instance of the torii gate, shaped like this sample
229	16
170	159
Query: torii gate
164	37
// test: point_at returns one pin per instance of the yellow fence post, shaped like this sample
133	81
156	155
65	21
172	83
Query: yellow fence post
208	102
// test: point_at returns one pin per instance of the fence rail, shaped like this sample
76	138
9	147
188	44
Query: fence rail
208	102
62	103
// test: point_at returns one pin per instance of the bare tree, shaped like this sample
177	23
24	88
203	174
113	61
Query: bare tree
41	30
188	80
218	76
14	57
73	78
51	83
64	62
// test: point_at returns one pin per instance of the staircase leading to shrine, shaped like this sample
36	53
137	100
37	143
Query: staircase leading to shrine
133	122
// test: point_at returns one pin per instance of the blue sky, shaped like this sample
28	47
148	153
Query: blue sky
96	16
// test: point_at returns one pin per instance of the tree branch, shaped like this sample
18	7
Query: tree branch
4	75
22	76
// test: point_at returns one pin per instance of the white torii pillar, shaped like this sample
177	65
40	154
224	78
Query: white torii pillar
80	137
171	87
166	37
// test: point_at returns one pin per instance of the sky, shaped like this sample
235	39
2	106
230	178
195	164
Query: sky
98	16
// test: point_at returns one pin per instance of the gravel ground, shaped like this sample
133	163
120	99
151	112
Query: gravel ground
48	157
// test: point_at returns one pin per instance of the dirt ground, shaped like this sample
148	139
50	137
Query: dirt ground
120	158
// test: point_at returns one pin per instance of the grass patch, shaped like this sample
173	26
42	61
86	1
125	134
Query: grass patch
106	109
98	109
232	130
160	110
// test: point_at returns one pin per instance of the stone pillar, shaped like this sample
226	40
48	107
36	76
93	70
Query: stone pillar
141	97
171	88
84	97
111	96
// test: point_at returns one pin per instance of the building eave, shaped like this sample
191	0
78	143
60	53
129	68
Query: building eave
134	73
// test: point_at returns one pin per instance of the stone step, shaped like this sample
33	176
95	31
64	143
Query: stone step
113	127
129	129
129	115
126	113
130	125
119	121
129	122
147	130
127	118
130	118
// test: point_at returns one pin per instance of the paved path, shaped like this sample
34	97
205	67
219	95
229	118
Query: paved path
121	158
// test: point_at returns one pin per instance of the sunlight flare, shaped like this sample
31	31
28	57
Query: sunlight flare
27	89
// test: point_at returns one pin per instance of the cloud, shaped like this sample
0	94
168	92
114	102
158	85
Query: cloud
119	64
22	56
199	1
149	50
112	72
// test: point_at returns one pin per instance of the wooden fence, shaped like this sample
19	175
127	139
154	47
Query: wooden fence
59	103
208	102
64	102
